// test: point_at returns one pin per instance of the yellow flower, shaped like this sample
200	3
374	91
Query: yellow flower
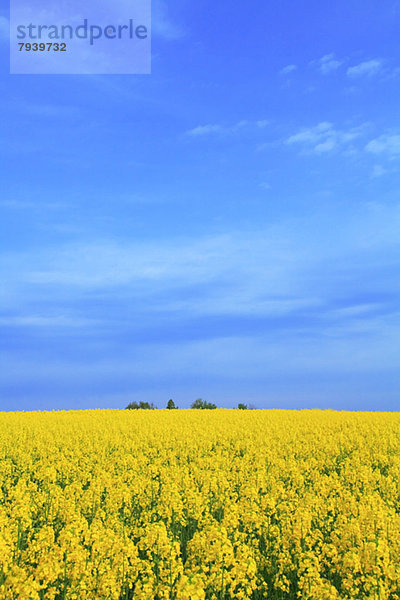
199	504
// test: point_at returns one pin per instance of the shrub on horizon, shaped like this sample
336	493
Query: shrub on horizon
141	405
203	404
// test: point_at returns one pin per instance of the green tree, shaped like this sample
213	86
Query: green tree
203	405
132	406
141	405
242	406
171	405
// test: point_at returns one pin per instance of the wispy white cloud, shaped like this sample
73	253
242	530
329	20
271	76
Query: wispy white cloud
50	110
219	129
203	130
378	171
59	321
327	64
271	295
388	144
324	138
367	68
288	69
255	272
172	264
31	205
311	135
337	349
356	310
221	357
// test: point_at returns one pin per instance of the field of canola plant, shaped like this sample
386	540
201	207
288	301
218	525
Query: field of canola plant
199	505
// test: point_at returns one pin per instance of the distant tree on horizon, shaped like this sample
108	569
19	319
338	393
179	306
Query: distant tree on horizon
242	406
141	405
203	404
171	405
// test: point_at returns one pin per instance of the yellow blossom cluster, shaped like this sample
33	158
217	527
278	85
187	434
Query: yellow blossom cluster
199	505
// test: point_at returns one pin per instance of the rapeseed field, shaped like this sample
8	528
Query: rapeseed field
199	505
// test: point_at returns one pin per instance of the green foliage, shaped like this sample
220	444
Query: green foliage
203	404
242	406
141	405
171	405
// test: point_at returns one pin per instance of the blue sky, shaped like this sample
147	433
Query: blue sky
226	228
